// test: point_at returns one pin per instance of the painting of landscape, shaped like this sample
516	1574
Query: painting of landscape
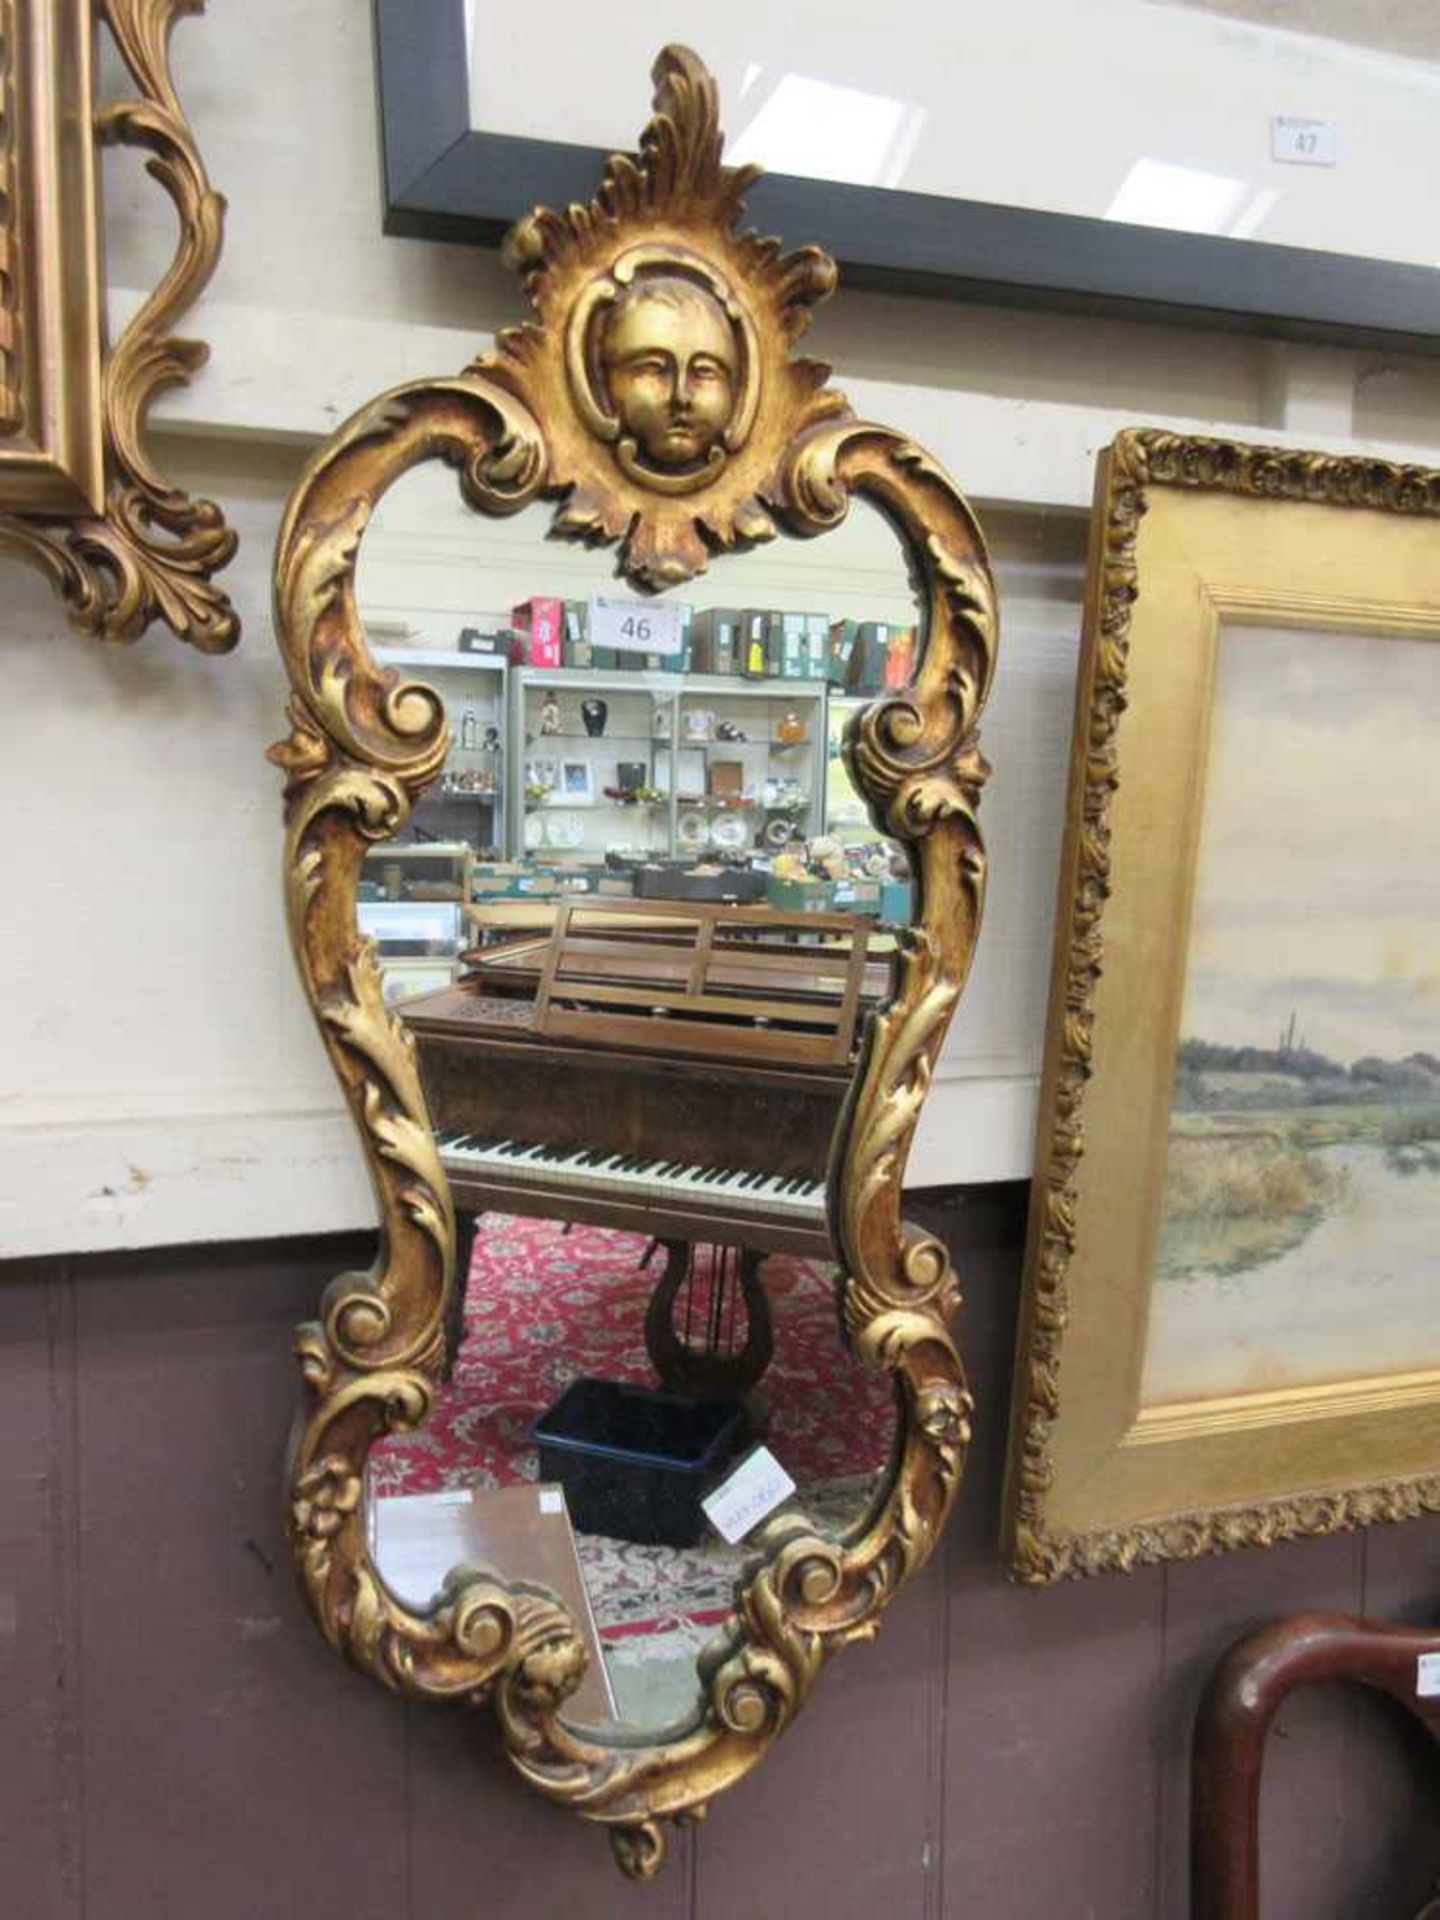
1300	1221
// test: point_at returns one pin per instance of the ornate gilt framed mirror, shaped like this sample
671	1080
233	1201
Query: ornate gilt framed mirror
667	1136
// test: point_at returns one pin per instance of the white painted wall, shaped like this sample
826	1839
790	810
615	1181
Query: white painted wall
159	1079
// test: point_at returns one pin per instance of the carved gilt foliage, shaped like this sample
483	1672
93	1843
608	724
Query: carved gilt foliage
573	408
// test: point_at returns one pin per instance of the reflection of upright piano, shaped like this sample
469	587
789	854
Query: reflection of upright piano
675	1070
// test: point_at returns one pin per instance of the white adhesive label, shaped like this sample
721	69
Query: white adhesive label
757	1486
1427	1676
551	1500
635	626
1299	142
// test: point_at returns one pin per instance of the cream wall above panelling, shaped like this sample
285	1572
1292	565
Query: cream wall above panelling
159	1078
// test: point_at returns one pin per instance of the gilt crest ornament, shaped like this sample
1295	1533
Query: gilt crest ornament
662	360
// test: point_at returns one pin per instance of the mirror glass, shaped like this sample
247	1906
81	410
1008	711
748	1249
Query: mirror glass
636	929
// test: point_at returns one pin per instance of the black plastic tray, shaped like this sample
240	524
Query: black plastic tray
635	1461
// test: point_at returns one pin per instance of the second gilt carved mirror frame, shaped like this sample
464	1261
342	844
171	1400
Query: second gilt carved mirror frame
80	495
771	448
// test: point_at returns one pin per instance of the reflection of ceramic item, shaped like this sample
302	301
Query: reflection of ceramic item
786	794
660	723
728	731
692	831
549	716
698	723
594	713
790	729
565	830
535	825
778	833
729	832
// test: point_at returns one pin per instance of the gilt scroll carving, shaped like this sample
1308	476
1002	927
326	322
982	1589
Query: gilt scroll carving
82	496
656	403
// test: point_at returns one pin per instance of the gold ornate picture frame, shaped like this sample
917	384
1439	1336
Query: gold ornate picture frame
560	411
80	495
1239	1130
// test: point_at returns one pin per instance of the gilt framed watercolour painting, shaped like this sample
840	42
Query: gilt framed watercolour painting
1232	1318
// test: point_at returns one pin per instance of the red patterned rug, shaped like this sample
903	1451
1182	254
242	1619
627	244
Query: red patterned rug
544	1305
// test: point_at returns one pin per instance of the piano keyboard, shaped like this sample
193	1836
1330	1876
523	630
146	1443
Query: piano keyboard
632	1177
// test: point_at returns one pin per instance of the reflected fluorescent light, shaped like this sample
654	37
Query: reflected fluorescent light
1156	194
752	74
830	133
1249	218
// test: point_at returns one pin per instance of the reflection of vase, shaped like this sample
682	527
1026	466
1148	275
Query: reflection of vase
594	713
790	731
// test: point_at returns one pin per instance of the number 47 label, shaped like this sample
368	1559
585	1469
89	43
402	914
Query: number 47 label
635	626
1301	142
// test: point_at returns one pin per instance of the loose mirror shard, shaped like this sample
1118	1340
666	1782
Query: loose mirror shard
635	929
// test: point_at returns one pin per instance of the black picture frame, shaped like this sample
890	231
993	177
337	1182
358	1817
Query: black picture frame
446	180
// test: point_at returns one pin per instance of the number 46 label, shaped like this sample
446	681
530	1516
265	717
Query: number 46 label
635	626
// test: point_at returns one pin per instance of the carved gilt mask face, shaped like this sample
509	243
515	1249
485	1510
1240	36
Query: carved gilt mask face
670	365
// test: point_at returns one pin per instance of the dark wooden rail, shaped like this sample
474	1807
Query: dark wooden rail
1243	1695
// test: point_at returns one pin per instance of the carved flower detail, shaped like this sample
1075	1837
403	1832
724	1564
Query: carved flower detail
943	1415
553	1671
324	1495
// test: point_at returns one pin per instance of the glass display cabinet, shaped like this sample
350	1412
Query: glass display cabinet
468	801
663	765
747	764
591	763
412	891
